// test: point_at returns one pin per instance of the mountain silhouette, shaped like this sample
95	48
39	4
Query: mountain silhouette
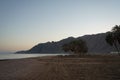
96	45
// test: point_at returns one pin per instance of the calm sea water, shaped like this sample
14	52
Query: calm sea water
19	56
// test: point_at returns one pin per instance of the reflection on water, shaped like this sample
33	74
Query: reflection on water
19	56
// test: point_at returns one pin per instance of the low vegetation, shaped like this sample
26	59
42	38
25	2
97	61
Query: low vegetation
78	47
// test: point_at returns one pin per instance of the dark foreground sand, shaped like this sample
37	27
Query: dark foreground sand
61	68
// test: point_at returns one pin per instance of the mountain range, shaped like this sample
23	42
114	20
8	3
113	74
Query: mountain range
96	45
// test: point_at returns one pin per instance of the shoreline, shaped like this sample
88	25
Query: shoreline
23	56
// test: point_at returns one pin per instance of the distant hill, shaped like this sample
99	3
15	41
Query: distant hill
96	44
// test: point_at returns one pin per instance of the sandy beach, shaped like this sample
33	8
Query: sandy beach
61	68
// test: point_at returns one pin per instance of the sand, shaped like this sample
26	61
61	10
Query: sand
61	68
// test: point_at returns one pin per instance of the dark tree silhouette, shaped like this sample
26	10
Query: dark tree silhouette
113	37
77	46
116	32
109	38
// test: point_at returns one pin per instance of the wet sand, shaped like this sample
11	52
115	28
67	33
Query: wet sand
61	68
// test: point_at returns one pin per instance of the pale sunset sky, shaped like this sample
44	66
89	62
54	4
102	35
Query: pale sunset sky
25	23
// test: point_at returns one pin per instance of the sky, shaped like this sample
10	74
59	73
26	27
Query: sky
25	23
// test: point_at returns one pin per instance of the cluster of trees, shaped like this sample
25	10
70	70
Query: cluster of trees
113	38
78	47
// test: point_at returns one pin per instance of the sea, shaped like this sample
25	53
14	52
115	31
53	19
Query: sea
4	56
